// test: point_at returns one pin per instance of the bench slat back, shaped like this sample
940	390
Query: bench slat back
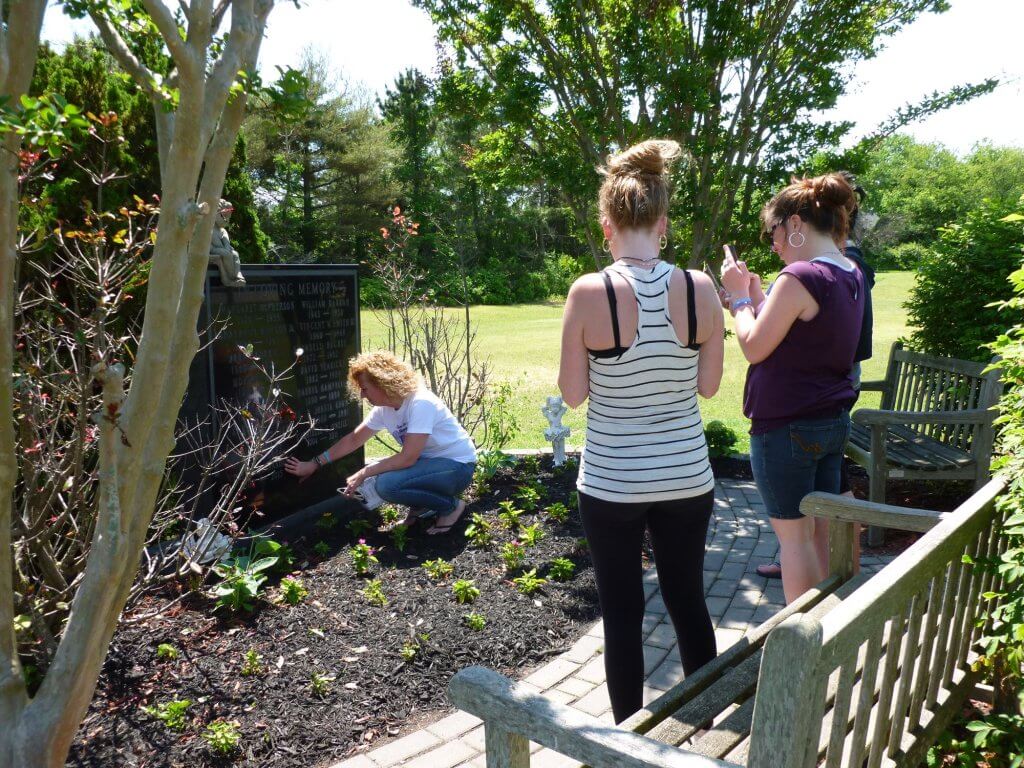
877	668
917	381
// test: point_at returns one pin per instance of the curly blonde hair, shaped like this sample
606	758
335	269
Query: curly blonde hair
394	376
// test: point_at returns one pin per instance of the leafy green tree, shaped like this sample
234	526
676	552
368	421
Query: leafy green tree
409	112
950	306
247	237
198	102
565	82
323	177
85	74
918	187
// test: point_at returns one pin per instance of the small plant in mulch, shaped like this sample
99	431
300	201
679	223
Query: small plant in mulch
561	569
167	651
222	736
358	527
581	547
320	685
438	569
285	555
252	664
293	591
569	466
374	593
409	651
414	645
475	621
363	557
242	580
528	496
509	514
389	515
170	713
557	512
465	591
400	537
531	535
327	521
479	531
322	549
513	554
529	464
529	582
574	500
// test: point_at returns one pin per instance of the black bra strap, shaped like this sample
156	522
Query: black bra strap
614	306
691	311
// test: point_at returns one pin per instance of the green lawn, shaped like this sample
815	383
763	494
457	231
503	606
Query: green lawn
522	343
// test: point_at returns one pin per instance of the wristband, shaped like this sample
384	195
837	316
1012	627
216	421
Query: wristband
746	301
326	456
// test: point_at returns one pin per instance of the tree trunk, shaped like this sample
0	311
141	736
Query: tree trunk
38	733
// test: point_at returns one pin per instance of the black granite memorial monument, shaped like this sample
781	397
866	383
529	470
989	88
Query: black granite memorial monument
279	310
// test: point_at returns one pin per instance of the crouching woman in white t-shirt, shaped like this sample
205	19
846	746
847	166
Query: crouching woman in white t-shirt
437	459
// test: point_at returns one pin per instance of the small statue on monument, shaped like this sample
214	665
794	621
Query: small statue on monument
221	253
556	432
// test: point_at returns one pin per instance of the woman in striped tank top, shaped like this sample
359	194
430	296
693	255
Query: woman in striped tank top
642	339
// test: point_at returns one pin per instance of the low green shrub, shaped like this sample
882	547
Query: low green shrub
721	439
952	304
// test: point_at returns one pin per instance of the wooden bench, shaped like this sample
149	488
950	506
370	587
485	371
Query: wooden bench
934	422
858	669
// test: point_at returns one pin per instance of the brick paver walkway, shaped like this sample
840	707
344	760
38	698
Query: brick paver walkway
740	538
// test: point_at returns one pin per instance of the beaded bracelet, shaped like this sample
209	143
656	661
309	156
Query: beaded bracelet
746	301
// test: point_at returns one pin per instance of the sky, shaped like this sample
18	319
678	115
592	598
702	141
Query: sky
371	43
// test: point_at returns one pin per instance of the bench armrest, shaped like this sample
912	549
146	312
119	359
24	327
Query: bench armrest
847	510
515	708
875	385
870	417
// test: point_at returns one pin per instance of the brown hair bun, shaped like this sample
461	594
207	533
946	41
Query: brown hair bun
825	202
635	192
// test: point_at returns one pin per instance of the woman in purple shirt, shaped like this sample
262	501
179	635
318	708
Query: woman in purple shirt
800	343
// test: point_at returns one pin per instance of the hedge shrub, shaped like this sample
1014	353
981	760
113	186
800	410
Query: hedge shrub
951	304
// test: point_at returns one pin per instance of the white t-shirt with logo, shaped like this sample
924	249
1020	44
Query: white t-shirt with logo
423	413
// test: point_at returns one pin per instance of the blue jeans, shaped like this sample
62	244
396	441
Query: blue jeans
792	461
431	484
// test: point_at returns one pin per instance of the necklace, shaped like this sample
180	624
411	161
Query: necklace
640	262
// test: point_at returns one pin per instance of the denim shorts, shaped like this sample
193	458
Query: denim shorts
792	461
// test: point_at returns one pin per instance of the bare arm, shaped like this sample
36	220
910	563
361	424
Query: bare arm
710	336
788	302
350	442
573	369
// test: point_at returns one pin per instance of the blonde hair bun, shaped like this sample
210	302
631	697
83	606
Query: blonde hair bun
635	192
648	157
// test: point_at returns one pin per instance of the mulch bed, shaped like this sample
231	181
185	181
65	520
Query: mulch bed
335	632
375	693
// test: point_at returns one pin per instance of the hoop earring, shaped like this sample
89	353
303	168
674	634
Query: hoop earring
606	246
662	243
803	239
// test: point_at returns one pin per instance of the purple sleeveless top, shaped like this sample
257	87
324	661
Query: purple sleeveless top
808	374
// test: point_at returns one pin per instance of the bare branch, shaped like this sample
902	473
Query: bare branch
140	73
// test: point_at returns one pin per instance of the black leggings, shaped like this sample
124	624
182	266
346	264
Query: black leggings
615	534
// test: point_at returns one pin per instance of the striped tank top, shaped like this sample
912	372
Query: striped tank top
645	439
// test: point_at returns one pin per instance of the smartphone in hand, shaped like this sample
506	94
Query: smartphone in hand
730	253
